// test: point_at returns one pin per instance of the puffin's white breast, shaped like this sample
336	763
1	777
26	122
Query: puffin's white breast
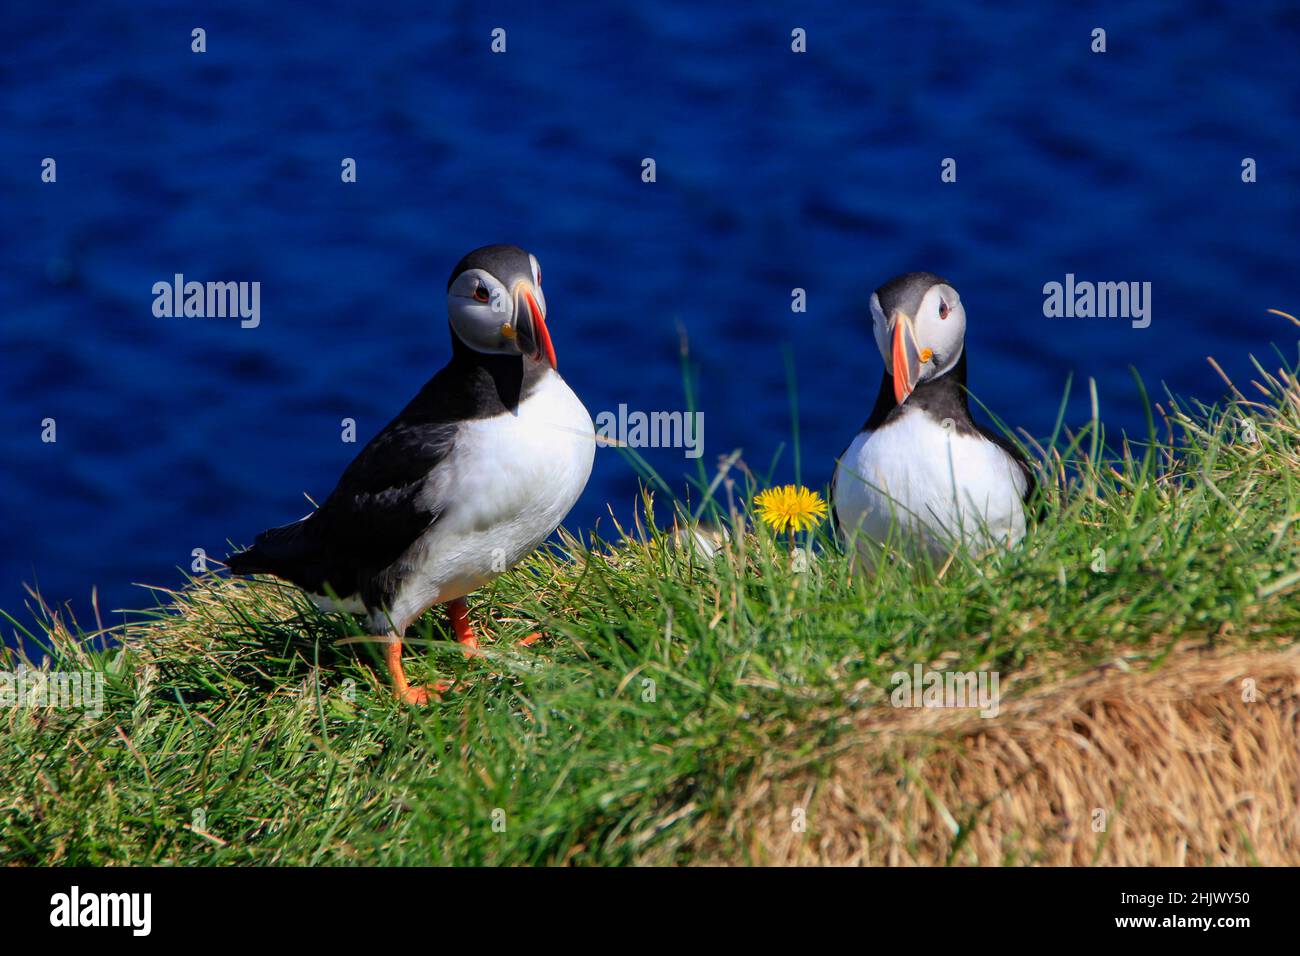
928	485
506	485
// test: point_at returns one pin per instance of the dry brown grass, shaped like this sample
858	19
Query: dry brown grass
1186	770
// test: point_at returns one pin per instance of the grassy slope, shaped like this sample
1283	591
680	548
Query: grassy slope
664	678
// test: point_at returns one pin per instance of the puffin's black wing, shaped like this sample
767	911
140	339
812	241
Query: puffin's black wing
389	495
394	490
1018	456
384	501
960	395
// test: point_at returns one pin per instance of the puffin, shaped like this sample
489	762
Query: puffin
922	475
477	470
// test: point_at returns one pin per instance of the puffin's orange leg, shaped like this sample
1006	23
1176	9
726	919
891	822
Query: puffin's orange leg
458	611
419	696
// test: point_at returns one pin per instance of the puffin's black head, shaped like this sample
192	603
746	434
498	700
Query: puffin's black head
920	327
495	303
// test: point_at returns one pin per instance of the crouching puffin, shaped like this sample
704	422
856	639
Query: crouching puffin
921	474
477	471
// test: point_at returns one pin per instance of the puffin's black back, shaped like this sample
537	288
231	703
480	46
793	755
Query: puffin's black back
380	506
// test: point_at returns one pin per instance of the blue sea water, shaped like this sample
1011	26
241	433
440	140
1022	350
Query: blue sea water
775	170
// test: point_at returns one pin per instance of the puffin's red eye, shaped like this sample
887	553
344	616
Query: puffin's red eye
943	309
481	292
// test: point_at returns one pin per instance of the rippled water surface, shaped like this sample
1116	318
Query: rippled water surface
774	170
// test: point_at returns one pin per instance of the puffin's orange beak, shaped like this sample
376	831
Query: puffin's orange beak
541	338
904	362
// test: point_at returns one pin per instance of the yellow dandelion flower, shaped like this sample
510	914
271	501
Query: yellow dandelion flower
790	506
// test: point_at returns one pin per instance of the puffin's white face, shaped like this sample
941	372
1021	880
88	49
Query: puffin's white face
501	315
921	345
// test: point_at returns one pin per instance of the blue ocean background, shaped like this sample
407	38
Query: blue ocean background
775	170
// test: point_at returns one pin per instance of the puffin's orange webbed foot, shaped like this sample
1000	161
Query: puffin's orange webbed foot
422	696
419	696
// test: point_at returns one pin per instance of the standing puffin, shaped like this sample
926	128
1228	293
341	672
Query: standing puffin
477	471
921	468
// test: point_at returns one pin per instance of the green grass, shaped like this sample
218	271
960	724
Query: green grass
664	679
